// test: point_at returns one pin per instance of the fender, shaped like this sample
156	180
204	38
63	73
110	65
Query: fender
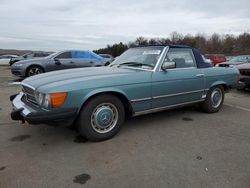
103	90
218	83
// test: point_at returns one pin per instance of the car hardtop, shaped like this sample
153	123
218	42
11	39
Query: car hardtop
197	54
163	45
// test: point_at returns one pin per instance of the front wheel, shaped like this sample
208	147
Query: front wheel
34	70
101	118
214	100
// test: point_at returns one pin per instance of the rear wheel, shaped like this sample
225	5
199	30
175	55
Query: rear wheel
214	100
34	70
101	118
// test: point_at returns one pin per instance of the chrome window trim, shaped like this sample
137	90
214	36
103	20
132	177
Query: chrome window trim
157	63
160	60
137	68
153	110
186	68
169	95
192	54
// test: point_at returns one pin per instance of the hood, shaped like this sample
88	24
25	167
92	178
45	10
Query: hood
228	63
243	66
30	61
87	78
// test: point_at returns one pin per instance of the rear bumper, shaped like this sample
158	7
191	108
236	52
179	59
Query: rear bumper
34	115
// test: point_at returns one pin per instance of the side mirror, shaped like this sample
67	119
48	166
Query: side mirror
57	61
168	65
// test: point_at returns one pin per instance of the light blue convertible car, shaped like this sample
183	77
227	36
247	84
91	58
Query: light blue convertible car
142	80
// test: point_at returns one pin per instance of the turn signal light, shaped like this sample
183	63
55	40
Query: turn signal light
57	99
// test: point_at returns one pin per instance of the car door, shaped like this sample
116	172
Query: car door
62	61
180	85
82	59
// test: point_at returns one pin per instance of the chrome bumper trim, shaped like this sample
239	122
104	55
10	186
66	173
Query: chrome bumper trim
18	104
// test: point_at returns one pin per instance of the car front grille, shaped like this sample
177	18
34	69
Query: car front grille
245	72
30	94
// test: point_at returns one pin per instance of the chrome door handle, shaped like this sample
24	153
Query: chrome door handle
200	75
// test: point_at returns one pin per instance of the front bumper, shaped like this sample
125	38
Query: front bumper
17	71
245	80
25	111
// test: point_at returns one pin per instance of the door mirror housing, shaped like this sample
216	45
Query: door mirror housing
57	61
168	65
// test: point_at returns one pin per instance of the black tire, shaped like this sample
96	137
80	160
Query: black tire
211	104
34	70
101	109
107	63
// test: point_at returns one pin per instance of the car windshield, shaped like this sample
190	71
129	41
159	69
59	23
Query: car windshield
52	55
142	57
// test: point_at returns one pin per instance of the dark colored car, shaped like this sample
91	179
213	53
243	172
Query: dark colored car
216	58
236	61
57	61
29	56
244	75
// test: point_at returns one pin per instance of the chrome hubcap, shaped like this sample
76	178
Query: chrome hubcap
216	97
34	71
104	118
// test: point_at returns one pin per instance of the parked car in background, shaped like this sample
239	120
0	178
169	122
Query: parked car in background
142	80
29	56
244	75
236	61
229	58
206	60
5	59
216	58
57	61
109	58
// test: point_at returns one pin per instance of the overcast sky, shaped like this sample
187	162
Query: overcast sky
92	24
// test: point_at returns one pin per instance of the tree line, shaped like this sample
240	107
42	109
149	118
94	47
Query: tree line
227	44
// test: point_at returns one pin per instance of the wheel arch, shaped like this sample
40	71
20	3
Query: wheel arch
119	94
28	67
225	86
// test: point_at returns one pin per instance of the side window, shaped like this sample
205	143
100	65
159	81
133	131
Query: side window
40	55
94	56
28	56
80	54
183	57
64	55
37	55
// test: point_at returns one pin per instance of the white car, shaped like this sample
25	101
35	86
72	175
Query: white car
5	59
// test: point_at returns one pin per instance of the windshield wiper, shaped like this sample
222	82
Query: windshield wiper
136	64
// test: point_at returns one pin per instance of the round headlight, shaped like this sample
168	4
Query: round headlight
40	98
47	101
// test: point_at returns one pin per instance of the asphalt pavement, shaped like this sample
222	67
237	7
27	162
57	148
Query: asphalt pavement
178	148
